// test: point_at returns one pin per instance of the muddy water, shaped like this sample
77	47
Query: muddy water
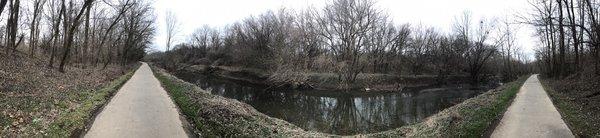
336	112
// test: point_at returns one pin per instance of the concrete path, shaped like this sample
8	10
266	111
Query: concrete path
532	115
141	108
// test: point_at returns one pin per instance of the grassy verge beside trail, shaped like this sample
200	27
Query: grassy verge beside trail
471	118
74	121
213	115
37	101
577	108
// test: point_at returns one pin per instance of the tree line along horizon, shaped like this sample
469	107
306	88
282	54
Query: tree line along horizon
83	33
345	37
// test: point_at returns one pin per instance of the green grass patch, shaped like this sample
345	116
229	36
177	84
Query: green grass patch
471	118
181	94
73	121
216	116
177	93
478	120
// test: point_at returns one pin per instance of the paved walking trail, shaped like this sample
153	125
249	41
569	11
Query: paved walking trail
141	108
532	115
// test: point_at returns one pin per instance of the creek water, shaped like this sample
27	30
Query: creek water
337	112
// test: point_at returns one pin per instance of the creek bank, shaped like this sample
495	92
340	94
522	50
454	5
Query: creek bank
329	81
215	115
473	117
339	112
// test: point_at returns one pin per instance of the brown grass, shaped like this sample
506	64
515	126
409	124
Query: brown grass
577	98
214	115
33	96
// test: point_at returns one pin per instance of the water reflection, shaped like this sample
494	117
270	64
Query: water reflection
338	112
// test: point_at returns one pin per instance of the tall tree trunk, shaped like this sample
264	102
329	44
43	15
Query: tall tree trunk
86	40
61	14
550	46
571	14
70	34
34	27
11	26
582	22
596	30
555	65
2	5
561	42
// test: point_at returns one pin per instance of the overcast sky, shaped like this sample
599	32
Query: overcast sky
440	14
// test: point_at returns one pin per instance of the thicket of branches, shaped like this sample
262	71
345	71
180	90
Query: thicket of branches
78	32
569	32
349	37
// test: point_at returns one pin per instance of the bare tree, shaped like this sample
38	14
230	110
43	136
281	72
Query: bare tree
123	8
561	41
594	32
138	27
347	37
345	25
508	47
12	26
172	26
582	25
70	32
54	30
477	48
35	25
310	43
573	29
55	16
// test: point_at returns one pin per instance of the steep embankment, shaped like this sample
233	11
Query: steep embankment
216	115
39	101
471	118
